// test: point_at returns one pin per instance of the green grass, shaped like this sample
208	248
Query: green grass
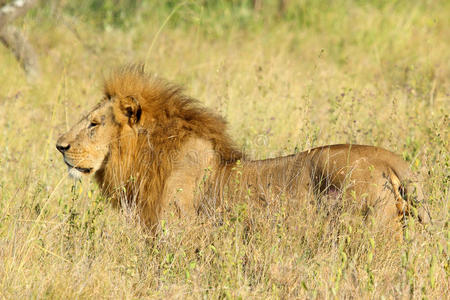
326	72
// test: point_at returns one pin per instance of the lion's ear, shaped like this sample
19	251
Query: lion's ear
130	109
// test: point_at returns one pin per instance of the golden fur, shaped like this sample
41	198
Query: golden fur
151	146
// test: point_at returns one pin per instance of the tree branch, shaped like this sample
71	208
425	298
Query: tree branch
13	39
13	10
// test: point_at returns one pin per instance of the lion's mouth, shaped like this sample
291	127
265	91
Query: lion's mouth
82	170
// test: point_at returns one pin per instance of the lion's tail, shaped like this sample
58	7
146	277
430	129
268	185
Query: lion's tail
409	195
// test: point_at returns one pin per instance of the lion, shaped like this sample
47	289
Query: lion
148	144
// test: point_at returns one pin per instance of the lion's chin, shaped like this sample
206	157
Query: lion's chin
77	172
74	173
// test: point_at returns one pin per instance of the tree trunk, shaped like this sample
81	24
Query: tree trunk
13	39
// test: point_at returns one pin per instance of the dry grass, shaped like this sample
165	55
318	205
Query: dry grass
359	73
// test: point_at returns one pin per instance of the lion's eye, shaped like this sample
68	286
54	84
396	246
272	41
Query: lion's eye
92	124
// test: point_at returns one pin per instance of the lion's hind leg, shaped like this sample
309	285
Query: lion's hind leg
369	188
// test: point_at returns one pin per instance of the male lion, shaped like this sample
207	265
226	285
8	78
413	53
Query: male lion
148	144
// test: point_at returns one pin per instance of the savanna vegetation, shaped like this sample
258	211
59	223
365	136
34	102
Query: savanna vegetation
313	73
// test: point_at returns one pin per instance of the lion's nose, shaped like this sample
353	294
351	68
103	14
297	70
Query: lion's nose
63	147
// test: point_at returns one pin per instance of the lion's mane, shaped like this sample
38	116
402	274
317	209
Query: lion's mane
141	161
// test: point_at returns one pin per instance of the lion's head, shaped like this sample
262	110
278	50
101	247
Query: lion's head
87	145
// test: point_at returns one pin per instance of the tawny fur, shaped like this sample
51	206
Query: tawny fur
163	149
169	120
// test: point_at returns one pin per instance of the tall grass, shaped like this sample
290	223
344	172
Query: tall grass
324	72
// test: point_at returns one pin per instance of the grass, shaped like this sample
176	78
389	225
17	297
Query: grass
326	72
